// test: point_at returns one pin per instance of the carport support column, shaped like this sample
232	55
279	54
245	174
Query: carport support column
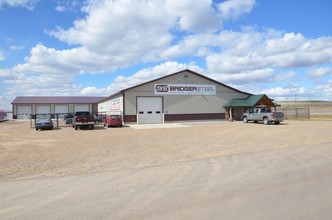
230	114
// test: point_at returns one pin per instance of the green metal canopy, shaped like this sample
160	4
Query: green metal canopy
251	101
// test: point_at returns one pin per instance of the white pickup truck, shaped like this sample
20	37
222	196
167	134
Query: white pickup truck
263	113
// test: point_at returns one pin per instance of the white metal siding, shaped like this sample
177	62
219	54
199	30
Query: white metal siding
111	106
149	110
61	110
184	104
43	109
78	108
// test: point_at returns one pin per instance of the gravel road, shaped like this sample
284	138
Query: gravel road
216	170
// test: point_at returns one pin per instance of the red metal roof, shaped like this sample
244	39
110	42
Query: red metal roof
57	99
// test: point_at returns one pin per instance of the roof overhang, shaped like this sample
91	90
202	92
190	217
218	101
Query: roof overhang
251	102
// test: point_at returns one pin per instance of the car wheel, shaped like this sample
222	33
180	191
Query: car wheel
92	127
266	121
36	129
245	120
75	126
277	122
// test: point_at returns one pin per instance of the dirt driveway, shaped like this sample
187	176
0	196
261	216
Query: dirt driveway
192	171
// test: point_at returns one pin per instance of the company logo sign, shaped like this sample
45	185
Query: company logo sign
184	89
161	88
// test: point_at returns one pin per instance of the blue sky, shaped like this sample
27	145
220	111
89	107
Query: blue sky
97	47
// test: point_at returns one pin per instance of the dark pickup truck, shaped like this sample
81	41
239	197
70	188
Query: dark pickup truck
83	119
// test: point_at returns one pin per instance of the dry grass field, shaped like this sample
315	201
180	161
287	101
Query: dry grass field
318	110
197	170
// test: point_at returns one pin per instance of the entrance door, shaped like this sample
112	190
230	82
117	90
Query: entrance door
149	110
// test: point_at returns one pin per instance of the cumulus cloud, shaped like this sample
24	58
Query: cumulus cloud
16	47
142	76
285	91
257	76
250	50
115	35
4	103
135	30
323	71
233	9
29	4
65	5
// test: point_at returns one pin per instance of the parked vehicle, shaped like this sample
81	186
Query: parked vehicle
68	119
43	124
83	119
113	121
263	113
98	119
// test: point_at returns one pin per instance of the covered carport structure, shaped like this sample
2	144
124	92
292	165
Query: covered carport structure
236	107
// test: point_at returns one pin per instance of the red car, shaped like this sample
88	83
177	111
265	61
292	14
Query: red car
112	121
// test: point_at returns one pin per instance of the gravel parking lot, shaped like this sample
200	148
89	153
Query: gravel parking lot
209	170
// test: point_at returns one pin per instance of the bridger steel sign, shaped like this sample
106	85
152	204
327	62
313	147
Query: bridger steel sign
184	89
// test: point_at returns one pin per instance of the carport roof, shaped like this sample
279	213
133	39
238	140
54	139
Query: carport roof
251	101
57	99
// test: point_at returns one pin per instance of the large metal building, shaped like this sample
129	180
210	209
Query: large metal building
26	106
184	95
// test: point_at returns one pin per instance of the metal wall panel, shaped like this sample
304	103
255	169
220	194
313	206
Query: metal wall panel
184	104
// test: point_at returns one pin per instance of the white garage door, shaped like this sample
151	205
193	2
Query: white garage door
24	112
78	108
43	111
61	110
149	110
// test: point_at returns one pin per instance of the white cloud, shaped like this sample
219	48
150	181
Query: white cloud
142	76
5	103
15	47
256	76
136	28
233	9
65	5
323	91
323	71
285	91
60	8
119	34
251	50
29	4
91	90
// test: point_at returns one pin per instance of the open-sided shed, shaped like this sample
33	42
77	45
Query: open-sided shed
236	107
